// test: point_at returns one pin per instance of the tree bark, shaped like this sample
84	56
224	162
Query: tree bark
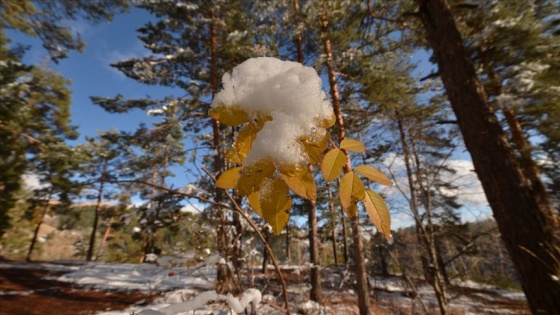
333	224
224	276
36	232
105	237
316	293
530	169
361	273
96	214
523	214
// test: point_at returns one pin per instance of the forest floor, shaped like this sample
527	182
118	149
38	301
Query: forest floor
64	289
31	292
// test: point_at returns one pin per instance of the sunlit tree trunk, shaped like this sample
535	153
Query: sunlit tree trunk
97	212
522	211
316	292
225	276
42	218
104	239
530	168
361	274
333	224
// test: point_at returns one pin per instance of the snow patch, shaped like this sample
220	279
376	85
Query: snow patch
288	92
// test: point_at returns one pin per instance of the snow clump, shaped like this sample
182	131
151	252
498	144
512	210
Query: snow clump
289	93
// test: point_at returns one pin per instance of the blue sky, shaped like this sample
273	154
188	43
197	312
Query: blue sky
91	75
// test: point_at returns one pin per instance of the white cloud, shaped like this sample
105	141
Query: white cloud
191	208
31	182
468	190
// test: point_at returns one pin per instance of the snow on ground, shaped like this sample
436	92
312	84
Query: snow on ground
144	277
174	285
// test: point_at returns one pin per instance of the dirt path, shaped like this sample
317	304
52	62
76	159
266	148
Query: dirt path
23	291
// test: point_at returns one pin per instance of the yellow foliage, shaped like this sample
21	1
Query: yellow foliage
314	146
300	180
378	212
238	152
275	203
229	115
252	176
331	167
373	174
352	145
228	180
255	203
351	190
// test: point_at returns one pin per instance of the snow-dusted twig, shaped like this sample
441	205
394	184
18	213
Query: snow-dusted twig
237	305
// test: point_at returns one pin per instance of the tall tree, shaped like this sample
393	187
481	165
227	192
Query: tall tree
35	100
46	19
54	166
99	170
524	214
35	110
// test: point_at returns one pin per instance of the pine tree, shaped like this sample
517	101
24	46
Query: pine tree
34	100
45	19
101	162
55	168
35	111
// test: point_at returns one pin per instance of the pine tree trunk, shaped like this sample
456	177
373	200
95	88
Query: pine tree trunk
104	239
96	214
265	252
224	276
530	168
36	232
316	293
522	212
333	224
361	273
288	251
344	237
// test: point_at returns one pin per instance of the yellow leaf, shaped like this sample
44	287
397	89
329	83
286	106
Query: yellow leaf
252	176
373	174
229	178
332	164
378	212
232	155
314	154
352	145
255	203
275	203
351	190
352	209
327	123
229	115
314	146
300	180
244	142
